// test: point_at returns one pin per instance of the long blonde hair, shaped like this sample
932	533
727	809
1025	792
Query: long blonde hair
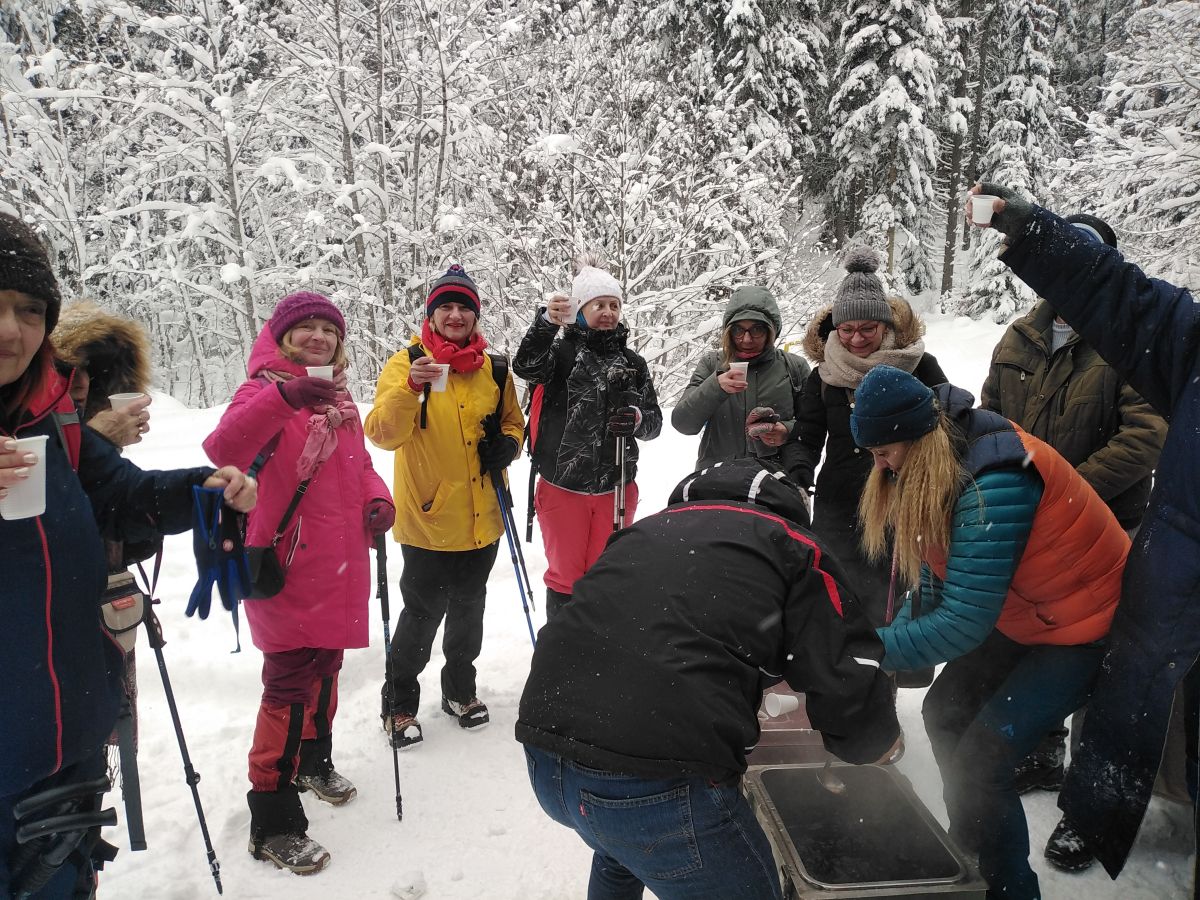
914	509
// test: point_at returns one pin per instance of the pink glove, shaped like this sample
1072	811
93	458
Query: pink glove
305	390
761	421
379	516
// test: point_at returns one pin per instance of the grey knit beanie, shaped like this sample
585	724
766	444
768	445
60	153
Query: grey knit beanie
860	296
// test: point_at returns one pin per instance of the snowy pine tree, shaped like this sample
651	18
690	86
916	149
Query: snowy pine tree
884	151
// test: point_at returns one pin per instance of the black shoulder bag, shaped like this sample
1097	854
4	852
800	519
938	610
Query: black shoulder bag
267	574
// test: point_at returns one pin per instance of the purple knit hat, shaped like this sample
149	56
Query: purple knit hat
303	305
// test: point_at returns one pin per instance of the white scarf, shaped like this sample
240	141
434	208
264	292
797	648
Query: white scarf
843	369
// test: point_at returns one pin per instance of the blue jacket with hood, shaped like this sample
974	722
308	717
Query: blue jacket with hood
1149	331
60	672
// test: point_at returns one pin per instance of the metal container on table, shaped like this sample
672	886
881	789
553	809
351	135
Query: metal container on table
876	839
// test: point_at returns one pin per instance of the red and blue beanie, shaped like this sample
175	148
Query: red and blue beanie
295	308
455	286
891	405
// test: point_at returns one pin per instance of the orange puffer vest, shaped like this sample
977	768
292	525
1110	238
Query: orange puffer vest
1068	583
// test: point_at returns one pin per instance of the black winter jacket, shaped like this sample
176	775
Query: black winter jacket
586	375
657	666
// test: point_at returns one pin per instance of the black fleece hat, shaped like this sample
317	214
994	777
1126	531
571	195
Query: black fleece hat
25	266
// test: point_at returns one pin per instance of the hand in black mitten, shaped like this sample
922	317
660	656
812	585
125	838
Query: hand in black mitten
1012	216
304	390
496	449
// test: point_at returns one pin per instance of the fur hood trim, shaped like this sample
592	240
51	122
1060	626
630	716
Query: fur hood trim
907	325
115	350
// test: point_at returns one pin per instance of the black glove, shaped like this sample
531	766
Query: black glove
1014	219
496	449
623	422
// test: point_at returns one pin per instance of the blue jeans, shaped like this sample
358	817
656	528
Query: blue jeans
983	714
682	837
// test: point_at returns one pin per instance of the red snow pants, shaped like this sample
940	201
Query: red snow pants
299	701
575	528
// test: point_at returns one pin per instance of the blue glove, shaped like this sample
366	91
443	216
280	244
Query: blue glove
220	556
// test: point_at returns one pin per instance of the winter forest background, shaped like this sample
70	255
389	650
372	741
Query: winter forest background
191	161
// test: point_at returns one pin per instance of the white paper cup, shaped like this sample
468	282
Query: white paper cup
573	310
781	704
325	372
439	383
739	367
120	401
981	208
27	498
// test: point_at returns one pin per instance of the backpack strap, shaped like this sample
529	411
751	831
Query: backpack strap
70	434
414	353
500	374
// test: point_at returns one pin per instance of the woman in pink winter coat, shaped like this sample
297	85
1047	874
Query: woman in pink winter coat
304	426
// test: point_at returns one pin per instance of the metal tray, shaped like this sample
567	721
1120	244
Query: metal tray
874	840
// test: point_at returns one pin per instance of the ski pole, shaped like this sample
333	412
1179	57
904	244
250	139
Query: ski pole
154	630
619	492
514	548
381	581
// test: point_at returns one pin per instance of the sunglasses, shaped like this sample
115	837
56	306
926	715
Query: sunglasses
755	331
868	331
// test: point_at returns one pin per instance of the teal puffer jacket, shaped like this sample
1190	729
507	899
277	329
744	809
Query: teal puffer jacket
991	525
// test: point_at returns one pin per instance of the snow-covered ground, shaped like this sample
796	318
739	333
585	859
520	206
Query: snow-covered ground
472	828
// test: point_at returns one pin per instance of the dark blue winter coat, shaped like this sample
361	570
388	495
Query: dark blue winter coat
1149	331
60	673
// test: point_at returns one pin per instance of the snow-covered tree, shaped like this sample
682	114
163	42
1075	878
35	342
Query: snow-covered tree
1022	139
1139	169
884	151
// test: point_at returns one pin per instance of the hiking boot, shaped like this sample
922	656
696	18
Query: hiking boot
472	714
328	786
1066	850
296	852
404	730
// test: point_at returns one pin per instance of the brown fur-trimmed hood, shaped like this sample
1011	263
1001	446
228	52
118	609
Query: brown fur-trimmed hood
115	352
908	326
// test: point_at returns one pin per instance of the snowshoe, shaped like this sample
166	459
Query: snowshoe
328	786
472	714
403	730
1066	850
295	852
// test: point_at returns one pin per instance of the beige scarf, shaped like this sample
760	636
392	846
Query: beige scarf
843	369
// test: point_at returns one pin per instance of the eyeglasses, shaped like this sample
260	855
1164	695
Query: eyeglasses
755	331
868	331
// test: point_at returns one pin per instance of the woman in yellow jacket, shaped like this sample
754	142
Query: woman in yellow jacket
449	429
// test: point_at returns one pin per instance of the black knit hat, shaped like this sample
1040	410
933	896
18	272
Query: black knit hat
455	286
860	296
891	405
25	266
1094	227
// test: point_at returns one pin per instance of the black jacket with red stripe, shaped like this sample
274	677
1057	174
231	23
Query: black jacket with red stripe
60	673
656	667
